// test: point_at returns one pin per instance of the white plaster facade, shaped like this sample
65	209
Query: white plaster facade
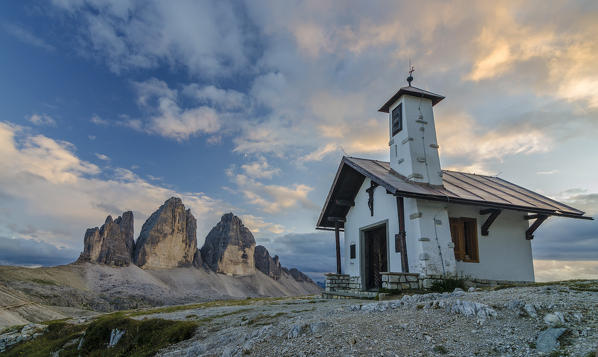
504	254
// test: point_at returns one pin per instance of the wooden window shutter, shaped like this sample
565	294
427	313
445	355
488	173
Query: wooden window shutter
470	229
457	235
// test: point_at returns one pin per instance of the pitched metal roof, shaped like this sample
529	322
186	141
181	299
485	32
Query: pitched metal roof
458	187
414	91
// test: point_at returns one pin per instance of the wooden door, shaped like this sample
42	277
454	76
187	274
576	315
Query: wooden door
375	257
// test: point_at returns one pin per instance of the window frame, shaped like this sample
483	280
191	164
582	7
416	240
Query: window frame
464	233
352	251
398	108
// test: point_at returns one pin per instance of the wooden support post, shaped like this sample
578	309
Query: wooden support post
493	214
529	234
338	246
346	203
402	236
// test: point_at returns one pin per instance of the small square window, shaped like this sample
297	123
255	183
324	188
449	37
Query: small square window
352	251
397	119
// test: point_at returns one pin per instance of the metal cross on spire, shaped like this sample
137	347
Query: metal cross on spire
411	70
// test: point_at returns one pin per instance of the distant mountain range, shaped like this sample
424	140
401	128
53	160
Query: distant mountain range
163	266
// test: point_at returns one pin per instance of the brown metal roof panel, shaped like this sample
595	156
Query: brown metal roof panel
462	181
508	191
489	186
458	192
543	200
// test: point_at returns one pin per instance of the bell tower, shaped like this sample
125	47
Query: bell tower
413	145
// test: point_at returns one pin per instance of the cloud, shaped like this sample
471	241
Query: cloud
549	172
223	98
258	226
556	270
42	119
319	154
462	138
566	239
98	121
168	119
27	37
272	198
311	253
32	253
46	186
102	157
207	38
260	169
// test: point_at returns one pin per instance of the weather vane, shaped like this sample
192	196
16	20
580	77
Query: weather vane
411	70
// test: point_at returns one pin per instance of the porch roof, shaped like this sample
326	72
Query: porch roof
457	187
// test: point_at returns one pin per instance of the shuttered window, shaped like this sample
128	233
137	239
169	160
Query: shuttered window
464	232
397	119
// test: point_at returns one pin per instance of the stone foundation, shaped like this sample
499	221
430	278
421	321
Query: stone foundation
337	282
344	286
400	281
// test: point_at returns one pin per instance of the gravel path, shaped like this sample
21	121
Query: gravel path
519	321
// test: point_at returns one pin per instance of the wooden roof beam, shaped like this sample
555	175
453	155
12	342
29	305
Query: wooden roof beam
493	215
529	234
345	203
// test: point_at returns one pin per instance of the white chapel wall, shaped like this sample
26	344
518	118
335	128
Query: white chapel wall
359	216
504	254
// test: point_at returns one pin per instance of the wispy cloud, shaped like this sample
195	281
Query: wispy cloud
28	37
260	169
273	199
102	157
98	121
42	119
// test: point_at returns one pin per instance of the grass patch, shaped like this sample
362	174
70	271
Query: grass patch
43	282
447	285
203	305
58	334
141	339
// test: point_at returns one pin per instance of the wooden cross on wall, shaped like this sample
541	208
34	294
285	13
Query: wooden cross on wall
370	192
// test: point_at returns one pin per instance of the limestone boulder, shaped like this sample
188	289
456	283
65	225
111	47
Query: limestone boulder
265	263
229	247
167	238
111	244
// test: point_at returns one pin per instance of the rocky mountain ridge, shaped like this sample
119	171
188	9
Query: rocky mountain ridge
168	240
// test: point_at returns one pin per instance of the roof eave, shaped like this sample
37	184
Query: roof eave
435	98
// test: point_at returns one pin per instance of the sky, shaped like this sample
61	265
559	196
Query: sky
107	106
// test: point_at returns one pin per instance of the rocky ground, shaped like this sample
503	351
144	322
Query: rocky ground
557	319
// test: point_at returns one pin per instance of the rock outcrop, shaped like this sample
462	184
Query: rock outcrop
167	238
297	275
112	244
266	264
229	247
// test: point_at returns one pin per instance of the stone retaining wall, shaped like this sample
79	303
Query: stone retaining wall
337	282
400	281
